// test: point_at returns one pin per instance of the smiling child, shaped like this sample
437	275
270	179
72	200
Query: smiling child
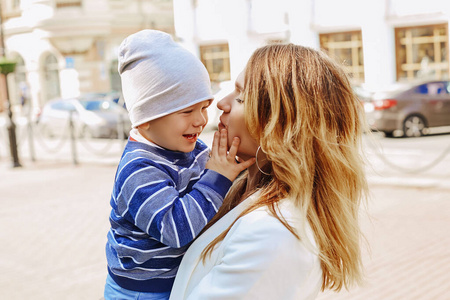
163	196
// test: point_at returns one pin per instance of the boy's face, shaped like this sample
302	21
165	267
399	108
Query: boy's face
178	131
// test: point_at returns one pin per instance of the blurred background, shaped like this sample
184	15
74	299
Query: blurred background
63	125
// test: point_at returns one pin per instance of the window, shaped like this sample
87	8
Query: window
51	77
10	9
216	58
346	48
15	4
433	88
68	3
63	105
422	52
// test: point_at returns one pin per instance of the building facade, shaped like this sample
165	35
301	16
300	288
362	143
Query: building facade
67	47
379	42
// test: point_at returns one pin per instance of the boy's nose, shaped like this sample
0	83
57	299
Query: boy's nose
201	119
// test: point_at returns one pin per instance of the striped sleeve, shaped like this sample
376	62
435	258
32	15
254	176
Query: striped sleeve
149	199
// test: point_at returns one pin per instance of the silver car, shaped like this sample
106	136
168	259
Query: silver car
91	118
410	110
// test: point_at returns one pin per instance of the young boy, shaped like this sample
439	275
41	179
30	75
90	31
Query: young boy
163	196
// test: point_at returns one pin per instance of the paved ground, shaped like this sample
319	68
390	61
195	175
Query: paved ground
54	220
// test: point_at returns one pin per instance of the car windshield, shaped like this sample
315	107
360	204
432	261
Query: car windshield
432	88
100	105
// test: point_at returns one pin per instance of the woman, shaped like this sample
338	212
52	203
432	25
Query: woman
289	225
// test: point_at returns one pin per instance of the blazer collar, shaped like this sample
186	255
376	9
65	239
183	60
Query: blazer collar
192	257
222	224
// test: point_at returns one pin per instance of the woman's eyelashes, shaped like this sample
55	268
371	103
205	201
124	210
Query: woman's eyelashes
239	100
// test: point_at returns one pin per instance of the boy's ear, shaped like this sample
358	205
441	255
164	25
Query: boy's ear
144	126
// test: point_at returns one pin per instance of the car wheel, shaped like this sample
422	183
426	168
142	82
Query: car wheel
414	126
388	134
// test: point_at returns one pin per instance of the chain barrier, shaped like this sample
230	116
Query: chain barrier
73	144
40	133
19	134
87	144
22	133
71	132
106	148
433	163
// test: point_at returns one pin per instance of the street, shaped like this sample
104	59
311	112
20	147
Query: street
54	221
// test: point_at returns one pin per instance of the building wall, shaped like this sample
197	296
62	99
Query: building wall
248	24
84	39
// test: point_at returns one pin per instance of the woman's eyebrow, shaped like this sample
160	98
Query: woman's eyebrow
239	87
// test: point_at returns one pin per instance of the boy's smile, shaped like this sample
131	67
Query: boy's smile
191	137
177	131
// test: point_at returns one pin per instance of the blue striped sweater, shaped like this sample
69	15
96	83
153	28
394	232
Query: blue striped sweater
160	202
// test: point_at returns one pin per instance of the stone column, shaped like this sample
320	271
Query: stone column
378	47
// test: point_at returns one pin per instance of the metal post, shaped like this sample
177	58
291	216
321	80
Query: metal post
30	133
12	133
11	125
72	139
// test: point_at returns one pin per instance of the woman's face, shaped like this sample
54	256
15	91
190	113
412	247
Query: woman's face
233	119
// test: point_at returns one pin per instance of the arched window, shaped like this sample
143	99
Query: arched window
21	85
51	78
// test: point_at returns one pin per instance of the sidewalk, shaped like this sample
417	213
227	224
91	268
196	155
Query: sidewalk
54	221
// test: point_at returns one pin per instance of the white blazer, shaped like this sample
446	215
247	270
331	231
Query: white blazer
258	259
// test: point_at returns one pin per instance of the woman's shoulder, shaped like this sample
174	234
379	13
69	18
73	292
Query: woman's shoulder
265	240
263	216
262	224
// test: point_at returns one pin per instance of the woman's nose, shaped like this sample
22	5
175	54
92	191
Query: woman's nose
224	104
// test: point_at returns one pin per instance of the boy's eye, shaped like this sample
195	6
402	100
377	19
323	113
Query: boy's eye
239	100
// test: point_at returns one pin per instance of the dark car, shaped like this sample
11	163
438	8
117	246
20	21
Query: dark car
91	118
410	110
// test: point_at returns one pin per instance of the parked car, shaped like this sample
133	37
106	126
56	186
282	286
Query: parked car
409	110
91	118
113	96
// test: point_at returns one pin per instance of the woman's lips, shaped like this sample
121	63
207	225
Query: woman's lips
221	126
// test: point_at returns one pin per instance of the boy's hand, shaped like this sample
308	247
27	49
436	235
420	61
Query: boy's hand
224	162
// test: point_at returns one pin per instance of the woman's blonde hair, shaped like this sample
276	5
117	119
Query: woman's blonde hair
301	109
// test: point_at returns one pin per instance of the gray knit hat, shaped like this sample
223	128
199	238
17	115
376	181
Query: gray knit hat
159	76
